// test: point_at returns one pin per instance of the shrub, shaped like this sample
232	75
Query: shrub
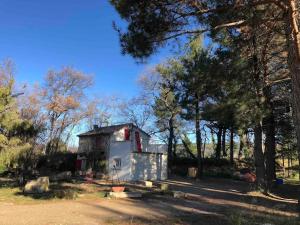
58	162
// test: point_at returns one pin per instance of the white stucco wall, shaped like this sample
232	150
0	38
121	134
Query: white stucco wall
135	166
149	166
120	150
144	140
119	136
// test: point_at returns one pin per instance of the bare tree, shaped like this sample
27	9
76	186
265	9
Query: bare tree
137	110
64	103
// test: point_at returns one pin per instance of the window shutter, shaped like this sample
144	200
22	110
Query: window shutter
138	141
126	134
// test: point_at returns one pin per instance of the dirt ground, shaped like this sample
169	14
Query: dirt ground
210	201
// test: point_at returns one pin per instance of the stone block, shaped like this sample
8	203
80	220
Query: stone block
178	194
40	185
164	187
148	183
125	194
192	172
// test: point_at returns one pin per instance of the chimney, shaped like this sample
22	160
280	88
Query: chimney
95	127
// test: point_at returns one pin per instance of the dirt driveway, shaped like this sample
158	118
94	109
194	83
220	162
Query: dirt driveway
208	202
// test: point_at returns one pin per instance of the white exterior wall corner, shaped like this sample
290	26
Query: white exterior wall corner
135	166
150	166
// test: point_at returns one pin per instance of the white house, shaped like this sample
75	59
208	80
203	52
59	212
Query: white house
121	150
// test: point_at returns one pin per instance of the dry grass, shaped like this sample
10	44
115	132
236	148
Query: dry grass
246	218
12	194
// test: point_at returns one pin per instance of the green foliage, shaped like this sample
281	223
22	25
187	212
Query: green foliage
213	168
101	165
148	22
166	106
14	143
59	162
14	155
58	144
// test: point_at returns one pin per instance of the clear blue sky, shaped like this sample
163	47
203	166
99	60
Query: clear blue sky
38	35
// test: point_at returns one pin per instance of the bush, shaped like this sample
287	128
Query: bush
2	169
58	162
181	165
65	194
207	162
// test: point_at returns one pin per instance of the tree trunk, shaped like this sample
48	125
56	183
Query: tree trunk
270	150
219	141
270	145
231	146
259	156
293	41
204	148
170	145
198	139
213	141
224	143
288	165
283	166
188	150
242	144
174	147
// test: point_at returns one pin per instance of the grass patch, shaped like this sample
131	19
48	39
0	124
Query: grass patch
293	180
11	193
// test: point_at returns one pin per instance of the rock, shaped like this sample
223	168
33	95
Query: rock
178	194
192	172
66	175
164	187
125	194
148	183
40	185
65	194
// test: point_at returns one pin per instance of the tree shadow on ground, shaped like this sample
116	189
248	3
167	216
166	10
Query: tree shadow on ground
6	182
129	186
288	191
59	190
160	209
231	192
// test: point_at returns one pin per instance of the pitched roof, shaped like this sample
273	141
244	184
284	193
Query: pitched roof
109	129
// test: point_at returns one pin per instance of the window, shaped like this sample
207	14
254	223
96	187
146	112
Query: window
117	163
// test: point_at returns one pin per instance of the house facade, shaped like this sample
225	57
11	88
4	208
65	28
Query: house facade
121	152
